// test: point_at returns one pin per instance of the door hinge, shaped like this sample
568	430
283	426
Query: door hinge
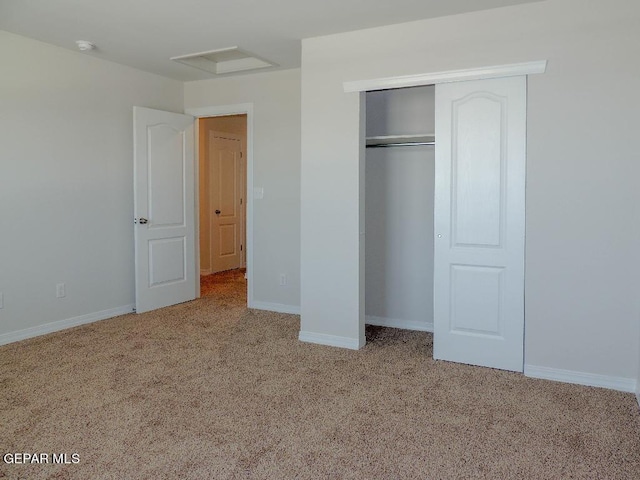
240	247
241	155
240	201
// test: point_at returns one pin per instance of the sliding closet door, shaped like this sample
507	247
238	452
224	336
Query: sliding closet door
479	222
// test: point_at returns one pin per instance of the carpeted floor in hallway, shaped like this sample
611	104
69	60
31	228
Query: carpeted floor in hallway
230	284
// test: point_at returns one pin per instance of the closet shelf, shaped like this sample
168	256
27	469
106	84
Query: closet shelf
400	140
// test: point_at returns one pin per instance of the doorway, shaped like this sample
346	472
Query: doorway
222	159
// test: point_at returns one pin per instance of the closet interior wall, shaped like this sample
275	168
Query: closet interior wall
399	193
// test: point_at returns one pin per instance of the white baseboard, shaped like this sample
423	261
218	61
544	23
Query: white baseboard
638	396
275	307
398	323
589	379
330	340
205	271
51	327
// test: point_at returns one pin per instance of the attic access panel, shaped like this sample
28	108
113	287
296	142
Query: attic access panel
224	61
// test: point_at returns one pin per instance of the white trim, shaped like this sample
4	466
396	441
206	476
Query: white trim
581	378
196	205
218	111
399	323
330	340
481	73
64	324
638	397
275	307
205	271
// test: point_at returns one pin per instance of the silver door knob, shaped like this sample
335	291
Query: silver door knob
143	221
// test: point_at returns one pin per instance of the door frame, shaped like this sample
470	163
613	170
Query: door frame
222	111
402	81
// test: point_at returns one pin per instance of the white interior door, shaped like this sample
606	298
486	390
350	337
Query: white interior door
226	201
479	222
164	185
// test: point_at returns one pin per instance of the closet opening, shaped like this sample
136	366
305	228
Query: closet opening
399	207
442	228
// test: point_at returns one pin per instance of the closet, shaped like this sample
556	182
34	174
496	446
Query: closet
399	171
444	225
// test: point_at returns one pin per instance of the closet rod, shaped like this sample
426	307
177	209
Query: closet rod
382	141
403	144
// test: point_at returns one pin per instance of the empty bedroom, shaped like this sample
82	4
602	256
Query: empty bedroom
303	239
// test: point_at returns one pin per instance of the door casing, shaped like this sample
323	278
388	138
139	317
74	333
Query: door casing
219	111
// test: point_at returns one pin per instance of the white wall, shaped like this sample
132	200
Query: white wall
66	183
401	111
399	211
276	105
583	228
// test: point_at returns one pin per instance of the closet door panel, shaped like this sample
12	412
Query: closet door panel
479	222
478	144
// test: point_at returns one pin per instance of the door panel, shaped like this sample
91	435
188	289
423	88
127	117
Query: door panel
475	300
166	261
166	176
478	164
226	194
479	222
228	239
164	208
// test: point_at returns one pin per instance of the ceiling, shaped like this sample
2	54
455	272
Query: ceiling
146	33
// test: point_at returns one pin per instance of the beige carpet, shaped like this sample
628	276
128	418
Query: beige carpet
211	390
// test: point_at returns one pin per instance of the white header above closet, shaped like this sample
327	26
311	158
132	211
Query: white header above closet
511	70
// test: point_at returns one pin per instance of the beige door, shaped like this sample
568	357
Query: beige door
225	188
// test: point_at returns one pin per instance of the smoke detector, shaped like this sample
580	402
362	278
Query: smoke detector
85	46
